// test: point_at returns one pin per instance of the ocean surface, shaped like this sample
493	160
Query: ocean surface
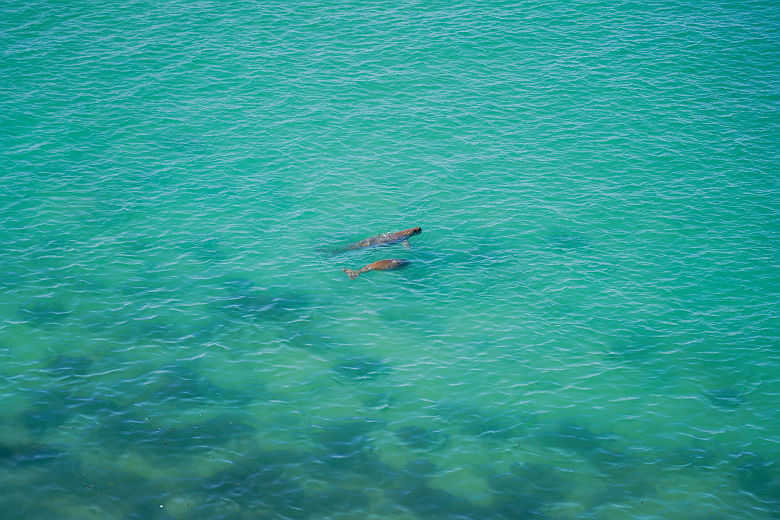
588	327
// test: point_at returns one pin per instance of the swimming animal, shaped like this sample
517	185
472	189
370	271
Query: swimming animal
379	265
384	238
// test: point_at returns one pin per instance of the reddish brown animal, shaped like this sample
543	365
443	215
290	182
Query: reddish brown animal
379	265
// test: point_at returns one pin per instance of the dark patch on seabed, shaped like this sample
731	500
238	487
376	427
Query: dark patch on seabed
63	393
760	478
378	400
634	344
28	454
560	241
526	489
727	399
418	497
56	403
182	385
344	440
359	368
206	248
421	439
69	367
482	422
42	313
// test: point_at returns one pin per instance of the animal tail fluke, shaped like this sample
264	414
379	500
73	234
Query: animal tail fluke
351	273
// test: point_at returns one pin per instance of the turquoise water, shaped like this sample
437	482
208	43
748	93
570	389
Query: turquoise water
588	328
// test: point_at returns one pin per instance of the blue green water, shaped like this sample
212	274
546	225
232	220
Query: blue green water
589	325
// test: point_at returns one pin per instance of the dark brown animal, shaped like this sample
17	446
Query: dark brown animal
379	265
383	239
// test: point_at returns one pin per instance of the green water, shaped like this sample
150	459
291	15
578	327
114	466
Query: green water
588	328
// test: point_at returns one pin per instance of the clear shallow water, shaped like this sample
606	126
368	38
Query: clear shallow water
588	328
